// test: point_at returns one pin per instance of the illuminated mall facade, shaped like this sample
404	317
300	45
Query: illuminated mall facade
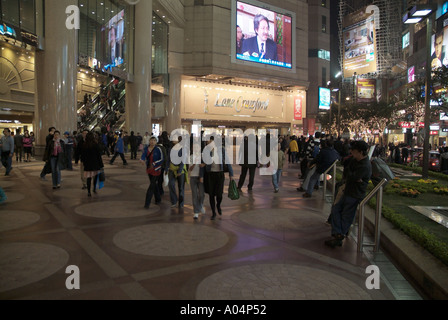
175	65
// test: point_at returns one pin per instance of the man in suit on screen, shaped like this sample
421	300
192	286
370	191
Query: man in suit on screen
261	46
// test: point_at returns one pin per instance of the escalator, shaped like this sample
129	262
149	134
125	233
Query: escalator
106	108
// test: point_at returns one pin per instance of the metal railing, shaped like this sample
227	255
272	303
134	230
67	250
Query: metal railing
333	178
378	191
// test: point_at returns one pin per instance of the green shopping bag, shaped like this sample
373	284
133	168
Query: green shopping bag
233	191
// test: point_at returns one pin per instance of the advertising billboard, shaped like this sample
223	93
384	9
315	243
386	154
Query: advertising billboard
298	108
439	45
324	98
263	35
411	74
366	90
359	44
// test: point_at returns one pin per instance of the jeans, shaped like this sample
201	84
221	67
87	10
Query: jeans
116	155
276	178
342	215
153	189
307	183
69	151
294	157
244	170
6	161
314	180
172	186
19	153
134	152
55	171
198	195
160	182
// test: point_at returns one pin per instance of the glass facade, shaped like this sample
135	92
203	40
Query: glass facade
159	46
106	35
159	62
19	14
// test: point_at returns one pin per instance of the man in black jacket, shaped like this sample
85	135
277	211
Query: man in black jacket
357	174
248	163
47	167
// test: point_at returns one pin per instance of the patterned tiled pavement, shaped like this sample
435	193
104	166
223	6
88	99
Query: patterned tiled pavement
266	246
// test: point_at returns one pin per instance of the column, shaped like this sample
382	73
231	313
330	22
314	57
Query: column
138	92
56	73
173	119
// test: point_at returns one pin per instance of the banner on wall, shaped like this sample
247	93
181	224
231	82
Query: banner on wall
359	43
202	100
311	126
298	108
366	90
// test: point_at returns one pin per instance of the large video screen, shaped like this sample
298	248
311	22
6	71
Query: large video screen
115	29
263	36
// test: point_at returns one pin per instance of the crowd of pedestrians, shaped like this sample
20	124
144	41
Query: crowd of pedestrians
314	155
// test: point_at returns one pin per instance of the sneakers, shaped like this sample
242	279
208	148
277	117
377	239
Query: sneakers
43	178
203	210
276	191
174	205
196	216
301	189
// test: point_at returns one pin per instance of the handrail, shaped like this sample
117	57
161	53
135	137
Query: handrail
378	191
333	191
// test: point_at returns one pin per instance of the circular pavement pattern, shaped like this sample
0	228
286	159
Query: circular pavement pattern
170	239
17	219
113	170
115	209
281	219
13	196
137	178
6	184
25	263
78	193
278	282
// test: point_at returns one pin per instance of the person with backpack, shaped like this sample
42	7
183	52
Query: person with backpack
177	173
119	150
165	164
153	158
196	173
326	157
312	151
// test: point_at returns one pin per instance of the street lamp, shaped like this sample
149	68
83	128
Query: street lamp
414	15
339	74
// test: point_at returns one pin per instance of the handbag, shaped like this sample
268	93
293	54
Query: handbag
233	191
102	176
99	183
166	179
